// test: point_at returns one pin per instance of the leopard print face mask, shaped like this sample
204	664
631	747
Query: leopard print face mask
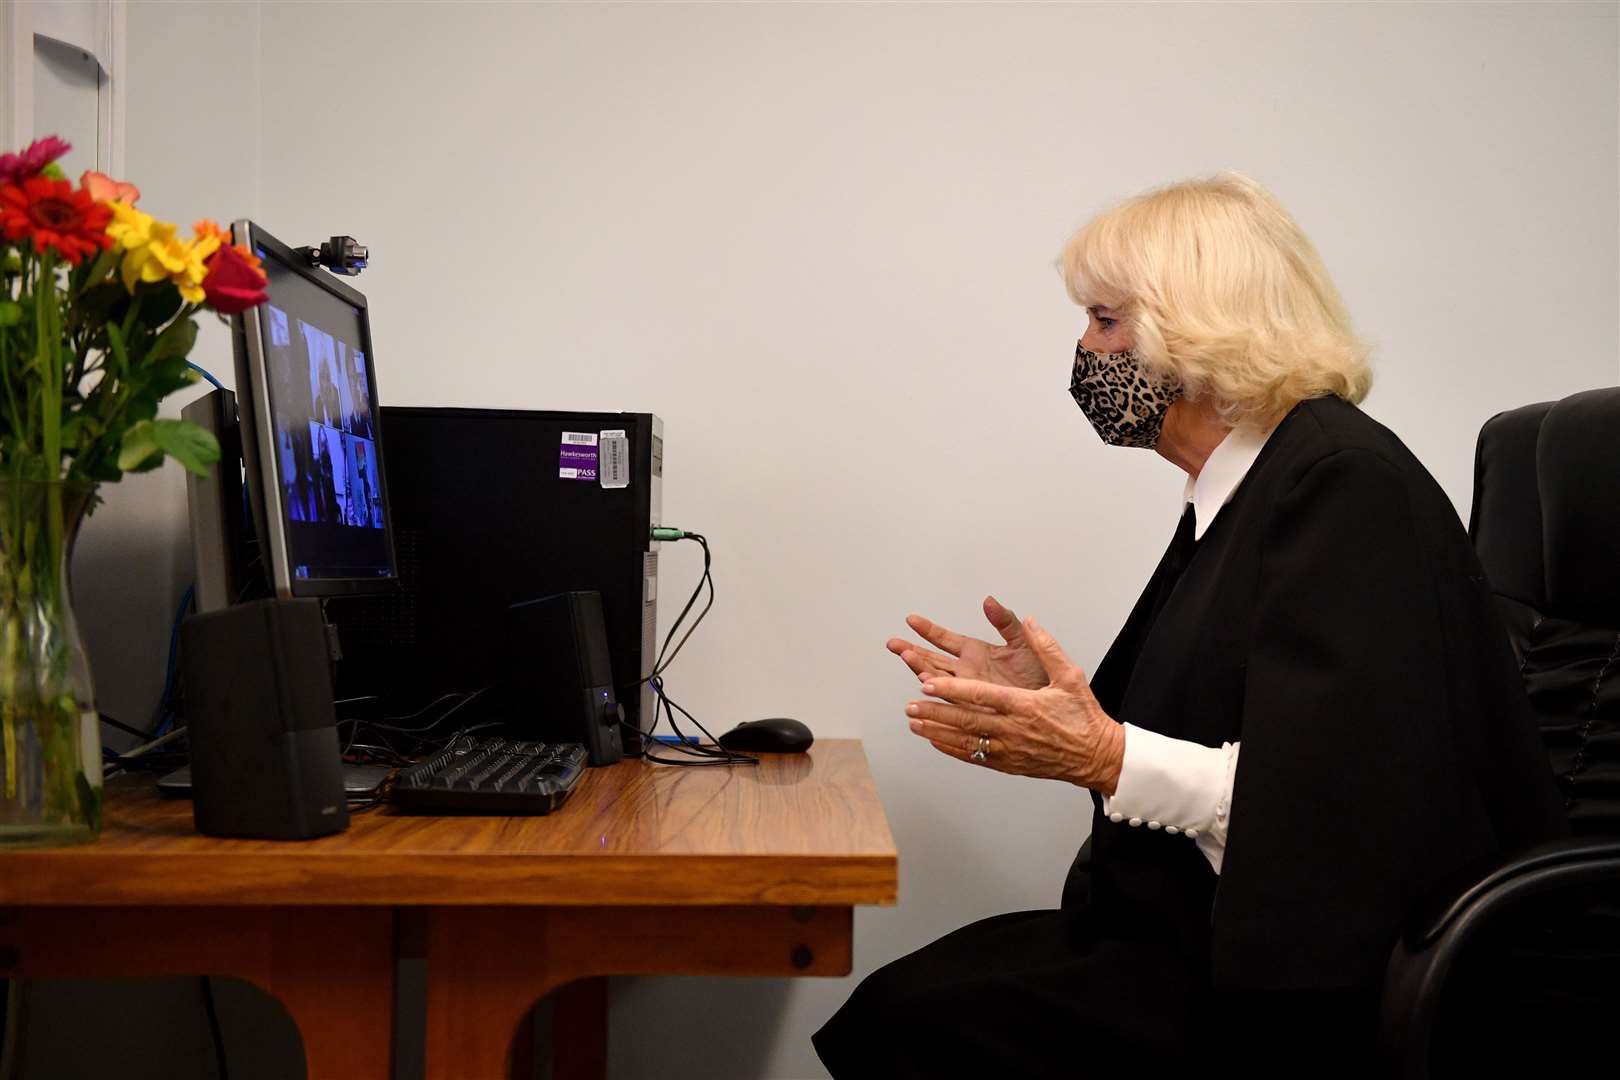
1124	403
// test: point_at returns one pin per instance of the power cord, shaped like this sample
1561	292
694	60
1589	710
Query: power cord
382	729
707	579
704	755
664	705
206	374
359	804
142	757
163	713
125	728
11	1013
222	1067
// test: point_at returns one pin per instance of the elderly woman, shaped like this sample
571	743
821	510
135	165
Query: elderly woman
1310	720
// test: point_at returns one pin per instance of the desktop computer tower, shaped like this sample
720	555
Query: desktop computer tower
495	507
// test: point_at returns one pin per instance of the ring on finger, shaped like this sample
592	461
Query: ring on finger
983	752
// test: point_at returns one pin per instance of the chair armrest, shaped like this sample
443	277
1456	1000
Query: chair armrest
1426	953
1580	856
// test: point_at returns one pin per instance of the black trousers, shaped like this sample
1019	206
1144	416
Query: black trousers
1048	994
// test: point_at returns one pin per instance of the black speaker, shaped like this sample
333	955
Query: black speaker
559	680
265	760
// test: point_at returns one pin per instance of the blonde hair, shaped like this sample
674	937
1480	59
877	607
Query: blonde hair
1225	293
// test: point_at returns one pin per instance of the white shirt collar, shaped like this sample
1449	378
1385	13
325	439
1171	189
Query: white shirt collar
1225	469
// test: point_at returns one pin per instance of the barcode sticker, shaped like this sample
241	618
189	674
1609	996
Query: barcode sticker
615	459
576	460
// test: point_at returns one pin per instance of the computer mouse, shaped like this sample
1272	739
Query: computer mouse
778	735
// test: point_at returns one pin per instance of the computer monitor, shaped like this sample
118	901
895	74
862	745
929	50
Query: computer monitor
307	405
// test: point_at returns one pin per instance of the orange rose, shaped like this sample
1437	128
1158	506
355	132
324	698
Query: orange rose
103	188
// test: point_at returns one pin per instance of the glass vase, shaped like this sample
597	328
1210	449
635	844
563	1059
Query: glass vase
50	732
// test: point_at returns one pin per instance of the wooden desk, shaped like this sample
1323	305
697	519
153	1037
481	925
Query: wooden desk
646	870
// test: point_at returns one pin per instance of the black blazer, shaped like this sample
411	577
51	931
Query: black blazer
1335	620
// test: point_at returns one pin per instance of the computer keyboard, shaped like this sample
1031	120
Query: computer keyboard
492	776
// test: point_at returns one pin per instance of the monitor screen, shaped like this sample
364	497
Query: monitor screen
315	428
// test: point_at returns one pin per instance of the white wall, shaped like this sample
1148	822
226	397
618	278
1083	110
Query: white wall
191	137
819	241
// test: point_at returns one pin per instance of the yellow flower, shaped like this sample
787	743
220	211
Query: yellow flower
198	250
136	232
154	251
130	228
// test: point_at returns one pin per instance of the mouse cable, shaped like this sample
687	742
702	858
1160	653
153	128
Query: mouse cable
691	745
684	743
700	755
715	750
693	755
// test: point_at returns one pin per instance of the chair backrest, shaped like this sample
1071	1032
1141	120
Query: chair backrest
1546	527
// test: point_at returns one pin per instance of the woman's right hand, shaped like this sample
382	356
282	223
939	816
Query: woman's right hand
1012	664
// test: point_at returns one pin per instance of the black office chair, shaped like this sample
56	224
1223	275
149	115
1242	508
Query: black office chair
1546	526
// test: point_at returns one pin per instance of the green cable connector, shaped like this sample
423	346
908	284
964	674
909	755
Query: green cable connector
668	534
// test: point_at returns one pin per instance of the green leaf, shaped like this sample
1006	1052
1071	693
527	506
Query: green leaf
102	471
160	302
141	406
115	343
139	449
103	302
11	313
175	342
30	466
187	443
89	801
172	372
104	264
150	385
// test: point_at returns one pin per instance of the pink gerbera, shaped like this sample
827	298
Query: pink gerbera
15	168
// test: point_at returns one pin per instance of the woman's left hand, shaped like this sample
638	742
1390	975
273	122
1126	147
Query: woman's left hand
1059	731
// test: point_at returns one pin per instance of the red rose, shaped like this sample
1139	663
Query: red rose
233	284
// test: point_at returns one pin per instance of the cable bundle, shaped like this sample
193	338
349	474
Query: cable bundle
666	707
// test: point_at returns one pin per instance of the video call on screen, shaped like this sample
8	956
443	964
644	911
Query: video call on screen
326	437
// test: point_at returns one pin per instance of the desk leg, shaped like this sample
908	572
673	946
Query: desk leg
486	967
331	968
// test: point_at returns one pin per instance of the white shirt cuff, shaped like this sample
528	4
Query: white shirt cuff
1178	786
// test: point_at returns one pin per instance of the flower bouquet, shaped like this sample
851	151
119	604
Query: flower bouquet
97	306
